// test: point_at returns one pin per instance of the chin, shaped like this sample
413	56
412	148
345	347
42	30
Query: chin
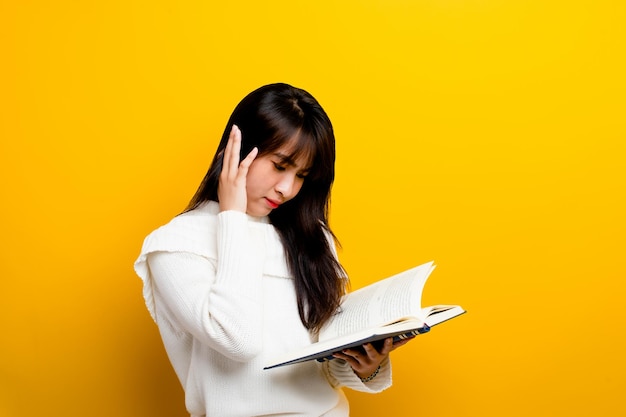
258	212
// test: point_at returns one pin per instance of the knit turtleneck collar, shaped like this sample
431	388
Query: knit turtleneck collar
213	207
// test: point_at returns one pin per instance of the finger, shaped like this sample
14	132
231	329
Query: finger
357	354
227	152
365	356
387	346
363	363
231	153
370	350
390	345
235	150
247	161
352	359
242	172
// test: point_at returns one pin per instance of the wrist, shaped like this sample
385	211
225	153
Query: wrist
370	377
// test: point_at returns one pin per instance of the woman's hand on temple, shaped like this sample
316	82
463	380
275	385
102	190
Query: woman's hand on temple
366	359
231	191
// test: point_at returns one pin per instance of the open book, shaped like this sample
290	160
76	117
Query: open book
387	308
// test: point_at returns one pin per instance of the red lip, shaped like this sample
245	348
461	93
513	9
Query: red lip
273	204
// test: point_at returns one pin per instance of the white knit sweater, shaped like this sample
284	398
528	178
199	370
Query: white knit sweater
218	287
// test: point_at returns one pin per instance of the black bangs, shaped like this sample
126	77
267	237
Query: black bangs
298	144
303	146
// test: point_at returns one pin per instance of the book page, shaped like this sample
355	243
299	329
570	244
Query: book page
380	303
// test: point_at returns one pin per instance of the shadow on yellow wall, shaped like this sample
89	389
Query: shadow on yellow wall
485	135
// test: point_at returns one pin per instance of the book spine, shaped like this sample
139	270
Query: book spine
416	332
412	333
396	338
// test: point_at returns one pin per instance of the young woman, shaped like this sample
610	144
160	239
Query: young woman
249	270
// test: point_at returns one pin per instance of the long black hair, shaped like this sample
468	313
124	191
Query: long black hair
268	118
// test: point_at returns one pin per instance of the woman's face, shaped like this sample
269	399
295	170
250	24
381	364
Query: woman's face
274	179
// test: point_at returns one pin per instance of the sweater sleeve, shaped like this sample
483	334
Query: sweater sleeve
340	374
218	302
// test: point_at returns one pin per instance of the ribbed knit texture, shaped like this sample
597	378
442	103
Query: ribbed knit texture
218	287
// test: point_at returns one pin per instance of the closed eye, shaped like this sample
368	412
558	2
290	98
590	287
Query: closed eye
284	162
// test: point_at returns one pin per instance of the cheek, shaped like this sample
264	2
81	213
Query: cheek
251	181
257	178
297	186
254	185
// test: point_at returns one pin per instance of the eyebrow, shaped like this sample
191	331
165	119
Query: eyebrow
287	159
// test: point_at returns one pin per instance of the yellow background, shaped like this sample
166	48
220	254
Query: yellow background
485	135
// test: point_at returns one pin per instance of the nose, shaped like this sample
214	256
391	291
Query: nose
286	185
